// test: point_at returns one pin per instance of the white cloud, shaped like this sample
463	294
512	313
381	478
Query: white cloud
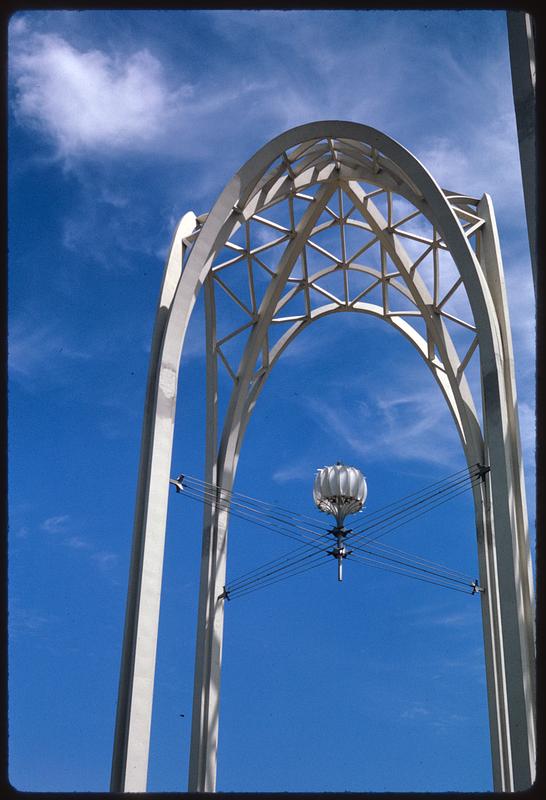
458	620
99	103
415	711
33	347
77	543
105	559
55	524
407	425
27	619
89	100
291	472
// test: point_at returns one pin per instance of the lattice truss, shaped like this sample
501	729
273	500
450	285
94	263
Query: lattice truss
333	226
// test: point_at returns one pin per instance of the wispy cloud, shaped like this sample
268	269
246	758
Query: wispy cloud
105	559
27	619
55	524
291	472
32	348
409	425
424	616
457	620
88	100
415	711
441	720
62	526
77	543
92	102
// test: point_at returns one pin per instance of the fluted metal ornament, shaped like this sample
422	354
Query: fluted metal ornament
339	490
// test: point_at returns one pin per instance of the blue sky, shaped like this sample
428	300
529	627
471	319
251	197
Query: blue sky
120	122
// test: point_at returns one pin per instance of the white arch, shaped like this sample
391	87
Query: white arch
331	154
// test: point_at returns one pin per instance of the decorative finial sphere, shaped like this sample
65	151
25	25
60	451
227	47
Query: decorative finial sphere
340	491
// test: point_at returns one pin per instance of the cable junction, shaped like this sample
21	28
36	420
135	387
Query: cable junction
313	537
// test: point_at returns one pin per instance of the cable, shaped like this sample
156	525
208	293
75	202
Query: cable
416	567
283	577
419	559
282	558
269	527
279	509
237	585
450	486
272	506
415	563
212	496
369	562
259	572
408	559
429	502
261	577
448	479
391	528
236	593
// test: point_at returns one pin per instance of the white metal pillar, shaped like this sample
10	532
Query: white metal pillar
136	683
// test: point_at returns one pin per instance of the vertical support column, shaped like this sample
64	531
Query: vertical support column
206	704
197	780
514	608
508	440
499	727
137	672
134	714
491	259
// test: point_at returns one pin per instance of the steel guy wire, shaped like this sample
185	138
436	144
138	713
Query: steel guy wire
428	502
431	494
226	503
417	558
236	593
369	563
278	579
284	557
292	514
409	559
454	478
212	494
401	522
267	526
441	573
271	506
416	567
404	568
277	529
424	496
237	585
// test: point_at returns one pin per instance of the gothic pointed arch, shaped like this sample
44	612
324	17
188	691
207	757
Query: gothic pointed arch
332	217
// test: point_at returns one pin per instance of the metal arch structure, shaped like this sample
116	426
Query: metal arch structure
331	217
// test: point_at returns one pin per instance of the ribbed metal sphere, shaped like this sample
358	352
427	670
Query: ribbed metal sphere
340	491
